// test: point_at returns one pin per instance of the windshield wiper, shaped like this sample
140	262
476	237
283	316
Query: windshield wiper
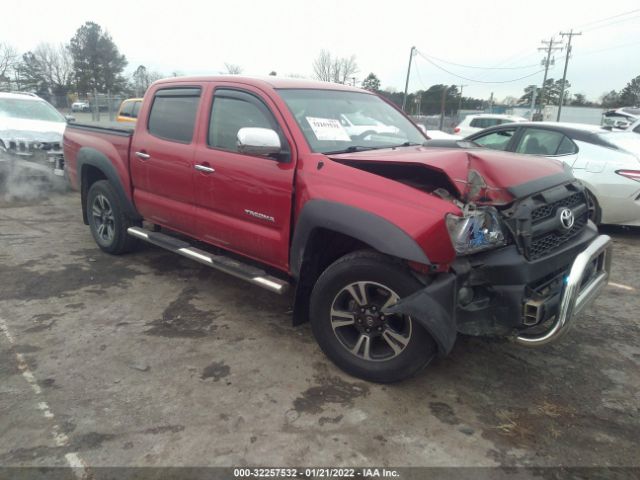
353	148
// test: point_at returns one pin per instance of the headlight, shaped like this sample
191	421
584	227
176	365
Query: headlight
475	231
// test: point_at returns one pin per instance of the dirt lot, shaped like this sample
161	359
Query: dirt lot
149	359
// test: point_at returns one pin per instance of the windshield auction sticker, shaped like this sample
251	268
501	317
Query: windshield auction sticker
328	129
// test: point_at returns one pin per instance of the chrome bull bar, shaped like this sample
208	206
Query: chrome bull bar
594	261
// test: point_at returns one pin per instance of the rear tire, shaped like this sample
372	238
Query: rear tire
107	221
348	324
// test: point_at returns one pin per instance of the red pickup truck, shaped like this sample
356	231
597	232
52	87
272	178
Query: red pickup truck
392	248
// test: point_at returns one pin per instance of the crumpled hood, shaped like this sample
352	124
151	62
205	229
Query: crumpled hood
12	129
507	175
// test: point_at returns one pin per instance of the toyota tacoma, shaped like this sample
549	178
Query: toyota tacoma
390	248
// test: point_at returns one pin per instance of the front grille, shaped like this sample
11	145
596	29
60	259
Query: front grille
545	244
534	221
549	210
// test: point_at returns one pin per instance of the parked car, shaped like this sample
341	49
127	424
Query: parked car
129	110
606	162
31	133
634	127
80	107
474	123
620	118
392	248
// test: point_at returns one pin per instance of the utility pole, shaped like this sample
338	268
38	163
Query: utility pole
442	105
460	100
566	64
550	48
533	101
406	85
491	103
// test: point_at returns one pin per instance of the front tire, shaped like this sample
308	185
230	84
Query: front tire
348	323
107	220
595	212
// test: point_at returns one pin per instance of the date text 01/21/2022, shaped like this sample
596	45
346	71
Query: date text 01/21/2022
315	473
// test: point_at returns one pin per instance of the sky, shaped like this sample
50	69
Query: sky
198	37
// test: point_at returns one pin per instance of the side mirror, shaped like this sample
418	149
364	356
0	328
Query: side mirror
70	118
258	141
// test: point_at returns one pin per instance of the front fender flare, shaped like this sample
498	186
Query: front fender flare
362	225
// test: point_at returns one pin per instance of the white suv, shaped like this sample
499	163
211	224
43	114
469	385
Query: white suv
475	123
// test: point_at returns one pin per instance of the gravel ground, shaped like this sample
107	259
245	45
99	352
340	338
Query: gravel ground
149	359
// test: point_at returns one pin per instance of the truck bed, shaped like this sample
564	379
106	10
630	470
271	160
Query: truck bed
111	139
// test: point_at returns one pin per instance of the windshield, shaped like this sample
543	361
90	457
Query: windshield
338	121
628	141
29	110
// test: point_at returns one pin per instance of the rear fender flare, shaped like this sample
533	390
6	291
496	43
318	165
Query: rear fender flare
88	156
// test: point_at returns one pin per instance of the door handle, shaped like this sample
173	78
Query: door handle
143	156
204	168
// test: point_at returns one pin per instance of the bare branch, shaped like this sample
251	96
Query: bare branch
334	69
233	69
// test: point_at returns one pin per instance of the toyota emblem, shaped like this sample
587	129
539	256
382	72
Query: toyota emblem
566	218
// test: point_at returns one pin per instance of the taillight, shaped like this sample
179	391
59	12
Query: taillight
456	130
632	174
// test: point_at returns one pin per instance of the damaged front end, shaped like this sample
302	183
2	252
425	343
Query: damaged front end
37	151
522	269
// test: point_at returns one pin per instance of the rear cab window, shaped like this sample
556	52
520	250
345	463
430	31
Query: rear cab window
173	113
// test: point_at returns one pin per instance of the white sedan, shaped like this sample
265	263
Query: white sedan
606	162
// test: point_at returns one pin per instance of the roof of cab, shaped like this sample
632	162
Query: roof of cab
264	82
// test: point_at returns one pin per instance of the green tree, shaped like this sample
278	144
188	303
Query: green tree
552	89
630	94
371	83
97	62
610	100
580	100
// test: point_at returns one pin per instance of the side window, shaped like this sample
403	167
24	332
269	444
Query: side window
126	109
232	111
496	140
136	109
476	123
637	129
490	122
173	114
536	141
567	147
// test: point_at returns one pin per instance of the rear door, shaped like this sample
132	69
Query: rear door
549	143
243	202
162	158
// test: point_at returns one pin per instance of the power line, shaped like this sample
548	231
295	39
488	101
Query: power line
613	47
478	67
609	18
473	79
612	23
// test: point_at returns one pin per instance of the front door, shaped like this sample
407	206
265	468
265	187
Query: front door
243	202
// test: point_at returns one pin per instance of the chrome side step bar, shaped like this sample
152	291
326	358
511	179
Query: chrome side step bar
219	262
